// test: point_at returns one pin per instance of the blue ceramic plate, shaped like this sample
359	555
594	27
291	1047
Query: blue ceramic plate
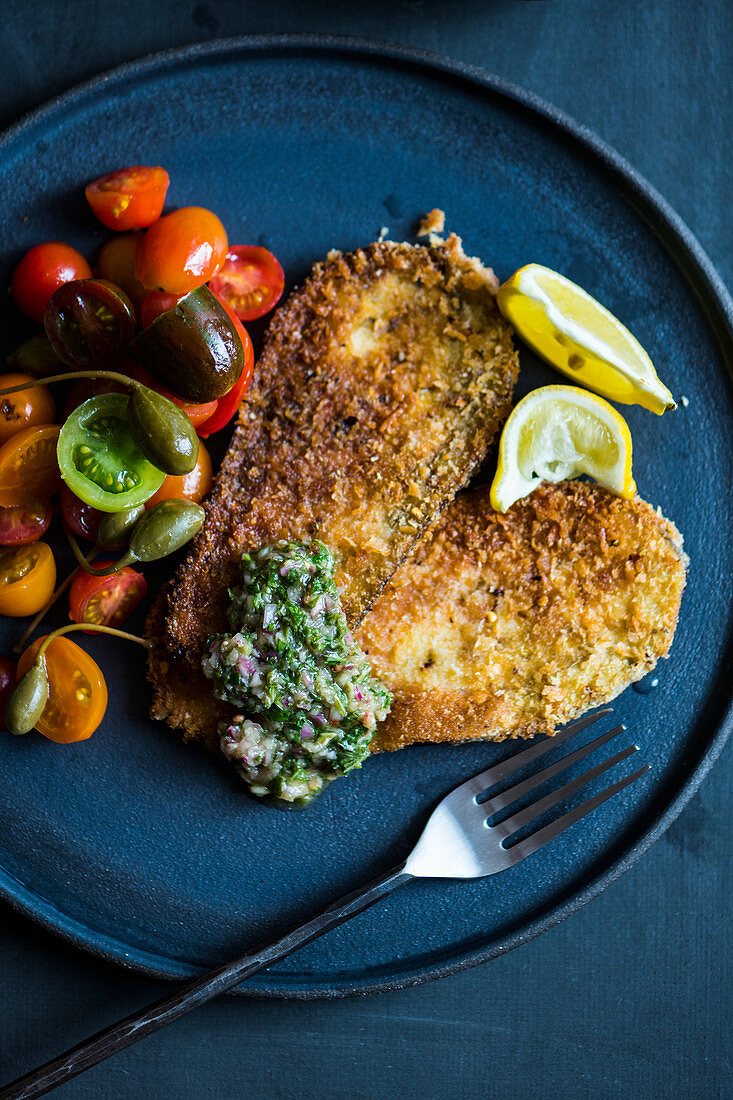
149	853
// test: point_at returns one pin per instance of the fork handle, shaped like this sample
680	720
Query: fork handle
196	992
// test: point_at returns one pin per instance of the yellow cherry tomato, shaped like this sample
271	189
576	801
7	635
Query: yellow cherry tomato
77	692
27	578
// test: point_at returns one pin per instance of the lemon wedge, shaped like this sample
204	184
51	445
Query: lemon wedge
578	336
559	432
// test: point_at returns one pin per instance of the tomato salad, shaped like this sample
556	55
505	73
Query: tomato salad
151	346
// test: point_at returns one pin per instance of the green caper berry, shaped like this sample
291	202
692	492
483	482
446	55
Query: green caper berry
116	526
162	431
28	700
165	528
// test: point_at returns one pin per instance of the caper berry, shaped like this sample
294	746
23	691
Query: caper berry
162	431
114	529
28	700
165	528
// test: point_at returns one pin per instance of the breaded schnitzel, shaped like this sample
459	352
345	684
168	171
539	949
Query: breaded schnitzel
511	625
381	385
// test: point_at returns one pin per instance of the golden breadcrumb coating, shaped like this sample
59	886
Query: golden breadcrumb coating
511	625
382	382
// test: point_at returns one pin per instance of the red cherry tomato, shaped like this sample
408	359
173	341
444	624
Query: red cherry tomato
156	302
25	523
7	683
181	250
131	198
25	408
227	406
192	486
116	264
106	601
81	518
42	271
197	414
251	280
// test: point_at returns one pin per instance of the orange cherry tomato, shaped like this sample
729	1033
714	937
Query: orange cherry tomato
116	263
106	601
26	408
251	280
29	468
130	198
43	269
7	683
197	414
27	579
181	250
24	523
192	486
77	692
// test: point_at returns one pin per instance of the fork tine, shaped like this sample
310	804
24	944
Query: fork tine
511	794
538	840
500	771
530	813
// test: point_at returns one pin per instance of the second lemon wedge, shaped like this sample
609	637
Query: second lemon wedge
578	336
559	432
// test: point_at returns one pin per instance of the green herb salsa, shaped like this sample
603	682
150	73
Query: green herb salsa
309	702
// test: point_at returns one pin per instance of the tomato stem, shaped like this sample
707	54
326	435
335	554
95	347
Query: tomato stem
75	375
22	641
106	571
96	628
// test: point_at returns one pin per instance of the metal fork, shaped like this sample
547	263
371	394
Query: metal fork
457	842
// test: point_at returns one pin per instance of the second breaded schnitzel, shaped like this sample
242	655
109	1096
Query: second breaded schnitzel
511	625
382	382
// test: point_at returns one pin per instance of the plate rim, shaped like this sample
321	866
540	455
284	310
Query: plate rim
717	306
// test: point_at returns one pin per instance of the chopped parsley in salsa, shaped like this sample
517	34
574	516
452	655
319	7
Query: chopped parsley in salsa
309	703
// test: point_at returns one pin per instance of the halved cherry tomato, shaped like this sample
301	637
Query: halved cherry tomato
26	408
99	459
25	523
192	486
7	683
181	250
116	264
106	601
197	414
29	468
90	323
27	579
77	692
251	280
156	302
43	269
130	198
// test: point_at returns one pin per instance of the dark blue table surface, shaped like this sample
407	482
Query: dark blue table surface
631	997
